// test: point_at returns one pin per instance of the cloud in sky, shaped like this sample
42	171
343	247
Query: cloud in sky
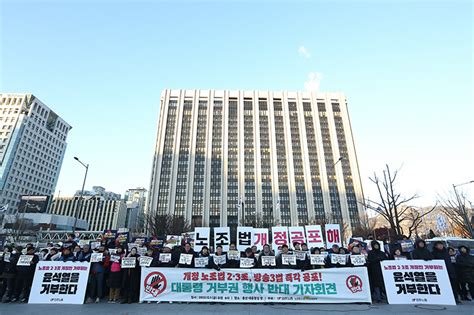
314	80
304	52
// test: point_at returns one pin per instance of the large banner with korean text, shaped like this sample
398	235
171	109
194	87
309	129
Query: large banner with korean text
417	282
338	285
58	282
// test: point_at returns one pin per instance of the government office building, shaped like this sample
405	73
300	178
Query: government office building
32	147
258	158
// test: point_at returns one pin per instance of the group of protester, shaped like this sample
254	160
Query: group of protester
108	279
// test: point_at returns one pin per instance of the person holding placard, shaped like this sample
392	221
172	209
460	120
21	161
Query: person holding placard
85	254
249	257
375	270
166	258
204	253
233	257
356	258
186	252
302	259
332	262
220	258
131	279
282	261
115	275
322	264
96	277
266	252
25	275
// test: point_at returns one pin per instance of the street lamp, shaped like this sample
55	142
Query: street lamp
463	208
339	160
79	204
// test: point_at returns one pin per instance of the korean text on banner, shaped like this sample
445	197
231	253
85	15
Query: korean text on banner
296	235
222	237
202	236
333	235
337	285
314	236
244	238
279	236
260	238
57	282
417	282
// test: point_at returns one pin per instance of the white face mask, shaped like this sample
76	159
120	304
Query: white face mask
14	252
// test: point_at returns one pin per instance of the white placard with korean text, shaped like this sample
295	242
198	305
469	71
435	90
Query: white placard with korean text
417	282
57	282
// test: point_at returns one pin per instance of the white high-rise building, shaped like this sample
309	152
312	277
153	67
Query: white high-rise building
227	158
32	147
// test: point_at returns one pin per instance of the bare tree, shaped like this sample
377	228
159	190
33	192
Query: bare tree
394	208
169	224
454	207
414	217
365	227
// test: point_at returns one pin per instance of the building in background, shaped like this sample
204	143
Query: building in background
32	147
101	211
228	158
135	200
99	191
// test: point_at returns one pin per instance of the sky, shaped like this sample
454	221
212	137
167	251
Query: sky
405	67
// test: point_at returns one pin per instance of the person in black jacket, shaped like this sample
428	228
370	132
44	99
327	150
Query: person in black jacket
441	253
187	250
374	258
131	279
465	265
249	254
165	251
9	274
204	253
421	252
25	275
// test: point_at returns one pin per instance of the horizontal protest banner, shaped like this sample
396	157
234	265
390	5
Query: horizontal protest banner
58	282
417	282
339	285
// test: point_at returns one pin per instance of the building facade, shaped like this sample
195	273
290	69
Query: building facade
99	212
226	158
32	147
135	200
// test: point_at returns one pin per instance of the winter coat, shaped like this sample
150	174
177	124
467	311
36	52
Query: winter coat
421	253
374	258
465	266
444	255
191	252
83	256
28	271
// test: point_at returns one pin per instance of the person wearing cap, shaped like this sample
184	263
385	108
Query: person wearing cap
25	275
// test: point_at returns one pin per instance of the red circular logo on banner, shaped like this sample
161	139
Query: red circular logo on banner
155	283
354	283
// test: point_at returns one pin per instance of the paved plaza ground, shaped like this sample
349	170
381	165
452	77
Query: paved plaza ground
229	309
